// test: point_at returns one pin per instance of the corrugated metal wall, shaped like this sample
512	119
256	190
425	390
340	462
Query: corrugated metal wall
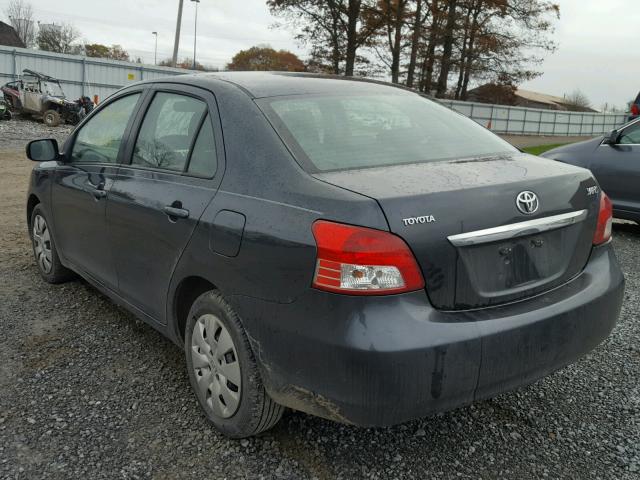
535	121
92	76
78	75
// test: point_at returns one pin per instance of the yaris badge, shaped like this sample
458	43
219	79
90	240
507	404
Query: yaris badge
527	202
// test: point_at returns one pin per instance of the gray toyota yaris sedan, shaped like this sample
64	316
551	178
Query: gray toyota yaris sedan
345	248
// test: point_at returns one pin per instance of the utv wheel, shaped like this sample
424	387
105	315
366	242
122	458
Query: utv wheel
51	118
223	371
44	250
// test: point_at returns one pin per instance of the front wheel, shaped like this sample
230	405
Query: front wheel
223	371
44	249
51	118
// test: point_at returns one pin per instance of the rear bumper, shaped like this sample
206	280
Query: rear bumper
385	360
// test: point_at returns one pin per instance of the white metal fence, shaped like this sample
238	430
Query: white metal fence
92	76
536	121
78	75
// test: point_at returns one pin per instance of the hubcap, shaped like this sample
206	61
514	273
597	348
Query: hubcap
216	366
42	243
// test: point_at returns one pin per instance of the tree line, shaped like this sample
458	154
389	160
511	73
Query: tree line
436	46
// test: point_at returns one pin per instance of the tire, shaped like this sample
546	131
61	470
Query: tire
51	118
44	249
212	324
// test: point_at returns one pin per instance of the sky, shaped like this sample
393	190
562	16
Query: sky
597	39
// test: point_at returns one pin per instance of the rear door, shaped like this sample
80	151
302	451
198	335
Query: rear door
81	187
617	168
172	170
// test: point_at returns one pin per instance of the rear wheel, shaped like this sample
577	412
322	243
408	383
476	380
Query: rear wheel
44	250
51	118
223	371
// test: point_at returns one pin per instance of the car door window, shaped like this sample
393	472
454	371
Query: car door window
98	141
168	131
203	161
631	134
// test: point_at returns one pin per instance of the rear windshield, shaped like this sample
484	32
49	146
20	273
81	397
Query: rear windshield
348	132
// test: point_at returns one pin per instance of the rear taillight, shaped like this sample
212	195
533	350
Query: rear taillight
635	109
605	221
363	261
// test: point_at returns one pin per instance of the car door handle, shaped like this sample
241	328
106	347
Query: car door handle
175	212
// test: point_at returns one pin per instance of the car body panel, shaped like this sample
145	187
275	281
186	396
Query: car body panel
146	242
81	231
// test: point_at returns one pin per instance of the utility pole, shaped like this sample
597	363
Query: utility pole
176	42
155	52
195	34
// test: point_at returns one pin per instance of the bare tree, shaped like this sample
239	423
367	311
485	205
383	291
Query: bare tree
417	27
578	100
426	43
58	38
392	18
447	47
20	14
334	29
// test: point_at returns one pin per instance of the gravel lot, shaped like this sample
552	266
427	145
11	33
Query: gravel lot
86	390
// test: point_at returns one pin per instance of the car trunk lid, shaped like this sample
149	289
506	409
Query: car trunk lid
453	215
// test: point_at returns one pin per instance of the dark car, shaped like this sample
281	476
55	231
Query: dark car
344	248
615	162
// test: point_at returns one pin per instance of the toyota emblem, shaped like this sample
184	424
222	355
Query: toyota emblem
527	202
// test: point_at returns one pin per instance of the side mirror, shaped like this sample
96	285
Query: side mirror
43	150
612	137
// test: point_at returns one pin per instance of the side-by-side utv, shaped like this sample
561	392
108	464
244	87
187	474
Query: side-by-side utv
42	96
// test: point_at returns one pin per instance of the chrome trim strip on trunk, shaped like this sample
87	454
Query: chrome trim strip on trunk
515	230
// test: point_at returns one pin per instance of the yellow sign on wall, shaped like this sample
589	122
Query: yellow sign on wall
131	76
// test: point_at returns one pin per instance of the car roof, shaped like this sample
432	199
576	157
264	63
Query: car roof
271	84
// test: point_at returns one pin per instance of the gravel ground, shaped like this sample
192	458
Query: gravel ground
86	390
16	133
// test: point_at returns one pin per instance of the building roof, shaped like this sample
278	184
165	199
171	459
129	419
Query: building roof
540	97
492	93
9	37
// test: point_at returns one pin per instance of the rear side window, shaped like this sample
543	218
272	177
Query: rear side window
168	131
98	141
359	131
203	160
